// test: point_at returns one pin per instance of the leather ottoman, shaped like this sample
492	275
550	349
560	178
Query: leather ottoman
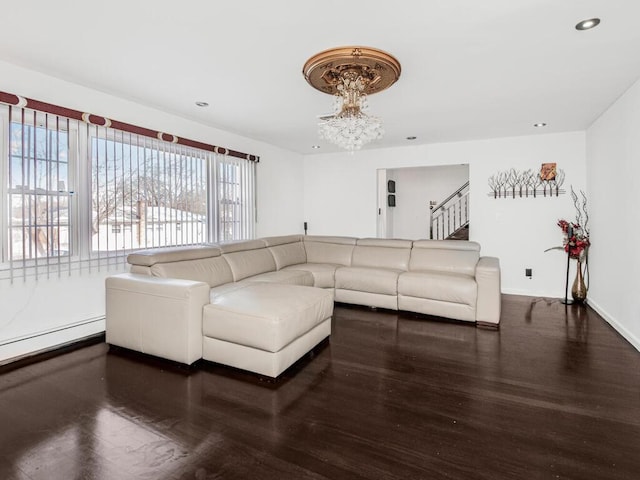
265	327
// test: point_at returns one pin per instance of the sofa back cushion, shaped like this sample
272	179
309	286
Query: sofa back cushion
248	258
382	253
286	250
449	256
332	250
288	254
243	246
140	270
201	263
151	256
281	240
213	270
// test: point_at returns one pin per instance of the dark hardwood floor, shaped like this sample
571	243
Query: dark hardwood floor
553	394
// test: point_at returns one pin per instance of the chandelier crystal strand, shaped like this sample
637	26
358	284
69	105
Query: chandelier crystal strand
350	74
350	127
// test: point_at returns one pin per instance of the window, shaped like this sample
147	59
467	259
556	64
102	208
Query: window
235	199
38	220
156	190
76	194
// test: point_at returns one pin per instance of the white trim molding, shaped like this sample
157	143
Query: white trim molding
18	348
617	326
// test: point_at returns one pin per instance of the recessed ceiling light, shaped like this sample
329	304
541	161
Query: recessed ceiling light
202	104
587	24
540	124
315	146
411	137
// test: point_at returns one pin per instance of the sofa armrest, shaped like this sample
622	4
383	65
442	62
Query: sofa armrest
489	295
158	316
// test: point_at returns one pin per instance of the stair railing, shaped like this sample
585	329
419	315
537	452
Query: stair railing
451	215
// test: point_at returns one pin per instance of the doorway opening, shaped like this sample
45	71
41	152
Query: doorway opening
423	202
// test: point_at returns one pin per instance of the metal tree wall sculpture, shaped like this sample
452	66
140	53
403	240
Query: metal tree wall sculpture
525	183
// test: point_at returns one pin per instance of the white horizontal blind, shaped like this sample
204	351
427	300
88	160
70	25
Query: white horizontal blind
77	196
235	198
38	236
145	193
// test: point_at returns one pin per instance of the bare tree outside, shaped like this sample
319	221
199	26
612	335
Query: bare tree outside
38	196
143	193
146	197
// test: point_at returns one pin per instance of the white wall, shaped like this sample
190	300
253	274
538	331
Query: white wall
340	199
39	314
415	188
339	193
279	171
36	307
613	178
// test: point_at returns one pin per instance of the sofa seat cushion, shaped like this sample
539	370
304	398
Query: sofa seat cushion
365	279
324	274
287	277
446	287
266	316
226	288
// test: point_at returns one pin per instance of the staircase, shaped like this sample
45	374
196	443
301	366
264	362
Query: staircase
461	234
450	219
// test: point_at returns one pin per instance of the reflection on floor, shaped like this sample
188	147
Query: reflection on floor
553	394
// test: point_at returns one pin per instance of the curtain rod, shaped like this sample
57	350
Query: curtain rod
22	102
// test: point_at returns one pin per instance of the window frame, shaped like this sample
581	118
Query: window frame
161	153
70	127
80	254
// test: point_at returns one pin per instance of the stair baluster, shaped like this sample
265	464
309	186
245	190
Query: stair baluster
443	228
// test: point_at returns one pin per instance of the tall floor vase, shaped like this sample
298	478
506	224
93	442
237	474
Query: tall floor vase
579	289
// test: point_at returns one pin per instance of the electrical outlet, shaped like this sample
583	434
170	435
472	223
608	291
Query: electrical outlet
528	273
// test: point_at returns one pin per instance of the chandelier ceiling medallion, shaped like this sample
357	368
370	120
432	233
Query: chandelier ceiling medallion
350	74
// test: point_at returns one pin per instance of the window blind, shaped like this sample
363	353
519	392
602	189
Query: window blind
80	193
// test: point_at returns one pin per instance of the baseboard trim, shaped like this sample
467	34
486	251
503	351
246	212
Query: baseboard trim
50	352
51	331
617	326
529	293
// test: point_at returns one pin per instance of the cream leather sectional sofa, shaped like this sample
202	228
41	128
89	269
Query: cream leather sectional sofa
260	305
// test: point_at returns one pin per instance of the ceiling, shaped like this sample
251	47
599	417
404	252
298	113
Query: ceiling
470	69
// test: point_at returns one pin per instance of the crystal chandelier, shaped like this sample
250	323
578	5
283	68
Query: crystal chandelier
349	127
350	74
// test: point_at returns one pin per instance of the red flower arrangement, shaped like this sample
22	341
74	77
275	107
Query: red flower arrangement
576	239
576	243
